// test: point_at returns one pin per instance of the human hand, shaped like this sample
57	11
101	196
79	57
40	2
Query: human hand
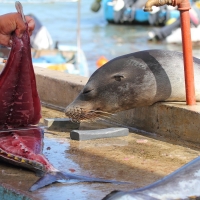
12	22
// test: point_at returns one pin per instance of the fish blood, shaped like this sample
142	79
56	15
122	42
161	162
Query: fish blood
19	100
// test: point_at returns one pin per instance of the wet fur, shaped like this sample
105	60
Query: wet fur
133	80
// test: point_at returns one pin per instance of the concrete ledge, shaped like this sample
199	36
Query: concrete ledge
175	119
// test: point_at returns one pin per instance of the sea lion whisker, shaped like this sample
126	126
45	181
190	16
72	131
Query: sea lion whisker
113	121
96	115
102	112
109	120
89	116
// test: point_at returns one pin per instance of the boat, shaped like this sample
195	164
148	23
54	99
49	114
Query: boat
171	33
63	59
52	55
131	12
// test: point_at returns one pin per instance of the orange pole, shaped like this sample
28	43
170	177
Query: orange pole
187	52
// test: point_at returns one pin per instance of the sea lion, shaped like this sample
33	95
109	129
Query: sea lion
184	183
133	80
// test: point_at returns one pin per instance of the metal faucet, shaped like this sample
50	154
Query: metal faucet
150	3
182	4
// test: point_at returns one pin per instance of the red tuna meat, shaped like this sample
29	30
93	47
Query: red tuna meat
24	148
19	100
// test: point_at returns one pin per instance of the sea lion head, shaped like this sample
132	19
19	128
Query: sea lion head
123	83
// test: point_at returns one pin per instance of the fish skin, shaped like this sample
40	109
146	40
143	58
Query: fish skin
183	183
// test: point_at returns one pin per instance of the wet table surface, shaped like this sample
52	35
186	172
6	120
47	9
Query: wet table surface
135	158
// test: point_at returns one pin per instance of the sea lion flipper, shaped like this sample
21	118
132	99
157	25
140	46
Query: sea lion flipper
57	176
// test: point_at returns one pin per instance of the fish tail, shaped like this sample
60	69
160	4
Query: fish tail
107	197
56	176
45	180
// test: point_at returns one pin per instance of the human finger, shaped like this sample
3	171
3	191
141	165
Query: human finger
5	40
31	24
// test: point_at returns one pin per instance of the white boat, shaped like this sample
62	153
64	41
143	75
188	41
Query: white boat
171	33
175	35
176	38
64	59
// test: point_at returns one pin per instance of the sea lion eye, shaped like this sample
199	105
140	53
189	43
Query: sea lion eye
87	90
118	77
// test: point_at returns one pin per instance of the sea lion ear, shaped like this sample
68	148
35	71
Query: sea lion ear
118	77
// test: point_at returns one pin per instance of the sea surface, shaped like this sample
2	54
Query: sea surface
98	38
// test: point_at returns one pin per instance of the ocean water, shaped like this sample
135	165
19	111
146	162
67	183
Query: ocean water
98	38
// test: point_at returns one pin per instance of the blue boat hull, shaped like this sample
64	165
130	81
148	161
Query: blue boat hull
138	15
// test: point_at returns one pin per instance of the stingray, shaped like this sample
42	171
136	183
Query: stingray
21	139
